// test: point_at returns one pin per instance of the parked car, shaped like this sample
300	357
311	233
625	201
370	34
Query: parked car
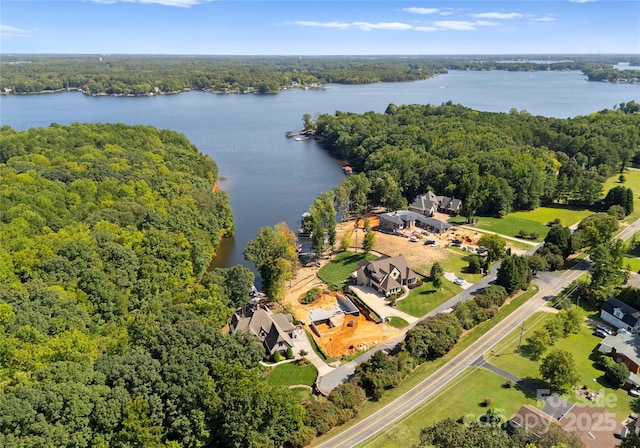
602	334
429	242
459	281
623	331
605	329
634	393
413	239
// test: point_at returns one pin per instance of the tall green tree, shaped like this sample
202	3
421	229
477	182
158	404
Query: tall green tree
559	370
274	254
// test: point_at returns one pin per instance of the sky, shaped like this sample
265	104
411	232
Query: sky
303	27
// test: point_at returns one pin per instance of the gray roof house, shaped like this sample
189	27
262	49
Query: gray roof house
429	203
620	315
387	275
404	219
276	331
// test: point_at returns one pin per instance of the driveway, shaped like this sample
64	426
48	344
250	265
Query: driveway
376	302
301	342
451	276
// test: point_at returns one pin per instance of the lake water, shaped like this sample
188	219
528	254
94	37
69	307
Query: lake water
274	179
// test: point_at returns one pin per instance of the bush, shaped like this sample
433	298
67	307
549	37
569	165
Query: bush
289	353
303	437
310	296
277	357
486	401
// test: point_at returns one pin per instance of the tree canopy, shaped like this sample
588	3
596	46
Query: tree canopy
110	331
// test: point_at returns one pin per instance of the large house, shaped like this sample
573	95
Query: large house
620	315
387	275
624	348
404	219
428	204
276	331
595	426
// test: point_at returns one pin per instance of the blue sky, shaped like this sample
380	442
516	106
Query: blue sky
302	27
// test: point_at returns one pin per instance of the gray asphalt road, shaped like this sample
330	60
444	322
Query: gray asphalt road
549	286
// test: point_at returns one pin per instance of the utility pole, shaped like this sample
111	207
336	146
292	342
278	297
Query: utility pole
521	334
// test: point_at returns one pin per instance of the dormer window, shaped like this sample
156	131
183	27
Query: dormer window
395	274
617	312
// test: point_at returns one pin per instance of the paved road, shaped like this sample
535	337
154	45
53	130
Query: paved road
549	286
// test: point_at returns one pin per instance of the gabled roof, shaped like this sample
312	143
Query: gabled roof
380	270
631	315
270	328
426	201
625	344
595	426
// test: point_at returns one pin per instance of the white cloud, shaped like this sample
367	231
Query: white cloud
340	25
176	3
498	15
458	25
423	11
487	23
12	31
427	29
364	26
547	18
395	26
582	1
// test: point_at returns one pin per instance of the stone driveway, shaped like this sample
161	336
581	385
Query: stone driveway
376	302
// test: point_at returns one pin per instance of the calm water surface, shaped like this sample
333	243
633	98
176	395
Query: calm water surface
273	179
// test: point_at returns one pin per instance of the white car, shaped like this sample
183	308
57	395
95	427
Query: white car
459	281
413	239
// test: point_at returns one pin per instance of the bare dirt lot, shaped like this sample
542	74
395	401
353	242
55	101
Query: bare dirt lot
350	334
419	256
353	334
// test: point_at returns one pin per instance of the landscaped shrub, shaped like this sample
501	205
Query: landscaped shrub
289	353
310	296
303	437
277	357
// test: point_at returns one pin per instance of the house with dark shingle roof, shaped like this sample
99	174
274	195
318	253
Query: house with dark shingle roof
429	203
387	275
404	219
620	315
276	331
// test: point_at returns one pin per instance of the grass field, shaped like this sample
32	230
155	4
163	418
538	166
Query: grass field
632	263
290	374
427	369
301	394
583	346
397	322
337	272
532	221
632	180
425	298
462	397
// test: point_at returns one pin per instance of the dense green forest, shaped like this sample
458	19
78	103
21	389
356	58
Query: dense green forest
110	326
144	75
494	162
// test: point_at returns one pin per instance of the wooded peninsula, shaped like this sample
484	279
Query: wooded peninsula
139	75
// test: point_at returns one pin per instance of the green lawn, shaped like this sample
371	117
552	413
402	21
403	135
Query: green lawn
301	394
425	298
290	374
583	346
428	368
338	270
633	263
462	397
532	221
397	322
632	181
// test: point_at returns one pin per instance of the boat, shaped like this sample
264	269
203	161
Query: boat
347	170
300	139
